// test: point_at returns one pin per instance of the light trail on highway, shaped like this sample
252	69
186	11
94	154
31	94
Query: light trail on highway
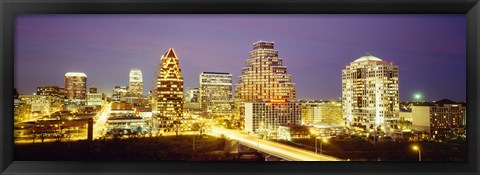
99	128
274	148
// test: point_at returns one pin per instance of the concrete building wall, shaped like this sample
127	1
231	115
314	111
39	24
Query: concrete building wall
421	118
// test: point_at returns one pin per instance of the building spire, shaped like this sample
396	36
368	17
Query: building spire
170	53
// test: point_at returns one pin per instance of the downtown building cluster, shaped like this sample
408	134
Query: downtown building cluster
262	102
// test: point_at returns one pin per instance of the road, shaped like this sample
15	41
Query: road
99	128
273	148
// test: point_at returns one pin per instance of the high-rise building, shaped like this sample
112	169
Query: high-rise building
135	86
263	78
168	92
216	93
75	86
119	92
370	94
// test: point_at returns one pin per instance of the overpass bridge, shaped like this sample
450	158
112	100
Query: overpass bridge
272	149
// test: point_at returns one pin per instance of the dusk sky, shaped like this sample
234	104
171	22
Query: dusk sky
430	50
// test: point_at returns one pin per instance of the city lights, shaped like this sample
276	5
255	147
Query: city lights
254	108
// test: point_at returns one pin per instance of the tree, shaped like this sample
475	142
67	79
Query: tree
42	137
58	137
200	127
34	137
115	133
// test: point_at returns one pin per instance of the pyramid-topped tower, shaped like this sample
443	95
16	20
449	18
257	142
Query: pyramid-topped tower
168	93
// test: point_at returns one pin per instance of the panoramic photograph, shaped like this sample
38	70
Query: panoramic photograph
170	87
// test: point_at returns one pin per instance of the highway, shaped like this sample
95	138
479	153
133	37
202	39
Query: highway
99	127
273	148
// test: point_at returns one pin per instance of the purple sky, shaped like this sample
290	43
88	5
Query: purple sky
430	50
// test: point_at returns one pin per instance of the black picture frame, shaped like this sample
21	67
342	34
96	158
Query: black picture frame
10	8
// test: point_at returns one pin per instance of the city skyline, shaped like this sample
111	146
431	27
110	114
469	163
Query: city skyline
428	49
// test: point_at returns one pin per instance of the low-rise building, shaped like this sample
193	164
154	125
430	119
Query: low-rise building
37	103
94	99
328	112
442	119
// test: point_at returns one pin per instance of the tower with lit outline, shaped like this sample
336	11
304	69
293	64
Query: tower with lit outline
168	93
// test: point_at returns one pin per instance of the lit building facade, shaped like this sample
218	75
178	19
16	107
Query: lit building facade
39	104
119	93
406	115
75	86
192	102
216	93
442	119
135	86
168	93
192	95
370	94
266	117
53	91
329	113
264	77
56	94
94	99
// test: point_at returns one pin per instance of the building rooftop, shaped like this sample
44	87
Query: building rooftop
223	73
72	74
447	101
368	57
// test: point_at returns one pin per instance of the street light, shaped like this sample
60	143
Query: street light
416	148
323	140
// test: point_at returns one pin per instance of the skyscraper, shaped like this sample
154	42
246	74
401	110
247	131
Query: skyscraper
168	93
264	76
75	86
135	86
216	93
370	94
263	79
